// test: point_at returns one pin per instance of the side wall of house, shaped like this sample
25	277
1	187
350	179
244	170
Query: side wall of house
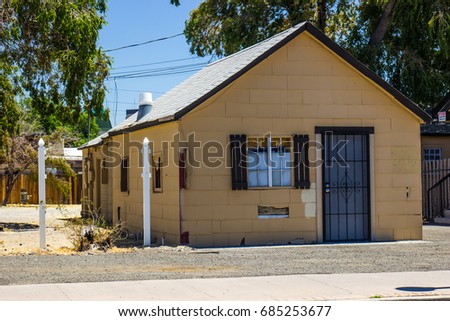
301	86
97	189
165	213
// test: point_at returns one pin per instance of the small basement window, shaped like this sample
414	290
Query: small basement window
124	175
273	212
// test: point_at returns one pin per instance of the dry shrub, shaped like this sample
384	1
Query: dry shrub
92	232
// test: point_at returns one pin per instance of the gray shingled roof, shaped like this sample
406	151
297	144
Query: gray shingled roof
219	74
435	128
197	86
206	80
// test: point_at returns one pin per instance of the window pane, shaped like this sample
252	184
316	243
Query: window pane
286	159
263	160
276	178
253	159
286	178
252	178
262	178
276	160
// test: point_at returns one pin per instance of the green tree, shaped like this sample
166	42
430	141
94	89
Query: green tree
51	50
222	27
51	75
405	41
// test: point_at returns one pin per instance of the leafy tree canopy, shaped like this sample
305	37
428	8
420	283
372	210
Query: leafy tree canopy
405	41
51	78
50	53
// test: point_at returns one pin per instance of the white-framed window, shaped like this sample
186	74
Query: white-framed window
269	167
434	153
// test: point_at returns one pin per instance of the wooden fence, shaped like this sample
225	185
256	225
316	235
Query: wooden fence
30	185
435	188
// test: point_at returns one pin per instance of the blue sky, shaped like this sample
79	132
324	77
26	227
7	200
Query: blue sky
137	21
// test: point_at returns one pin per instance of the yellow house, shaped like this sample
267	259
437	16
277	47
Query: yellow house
289	141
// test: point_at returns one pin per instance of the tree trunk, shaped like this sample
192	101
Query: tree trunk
322	14
380	31
12	178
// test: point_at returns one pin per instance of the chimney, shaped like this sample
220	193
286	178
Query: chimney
130	112
145	104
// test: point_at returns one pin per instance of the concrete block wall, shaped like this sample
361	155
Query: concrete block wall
165	212
299	87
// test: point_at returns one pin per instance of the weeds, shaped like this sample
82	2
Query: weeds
92	232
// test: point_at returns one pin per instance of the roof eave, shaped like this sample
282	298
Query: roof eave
143	125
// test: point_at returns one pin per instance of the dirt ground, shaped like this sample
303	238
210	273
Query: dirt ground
19	229
22	263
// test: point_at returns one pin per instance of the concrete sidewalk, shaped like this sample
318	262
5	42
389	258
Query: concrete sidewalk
422	285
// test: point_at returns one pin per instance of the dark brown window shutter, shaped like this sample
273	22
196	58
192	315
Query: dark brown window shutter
301	162
124	175
182	168
238	150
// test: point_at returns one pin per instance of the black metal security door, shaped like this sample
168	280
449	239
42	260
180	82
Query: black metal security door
346	186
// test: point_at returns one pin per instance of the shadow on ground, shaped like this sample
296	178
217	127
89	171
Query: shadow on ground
17	226
421	288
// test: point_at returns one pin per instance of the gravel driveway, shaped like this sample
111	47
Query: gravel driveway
432	254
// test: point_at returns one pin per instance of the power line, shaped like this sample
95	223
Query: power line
144	43
138	91
155	63
121	102
159	74
155	70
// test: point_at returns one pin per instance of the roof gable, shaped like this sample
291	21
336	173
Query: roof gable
216	76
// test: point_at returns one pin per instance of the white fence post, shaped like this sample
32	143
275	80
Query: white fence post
146	188
42	177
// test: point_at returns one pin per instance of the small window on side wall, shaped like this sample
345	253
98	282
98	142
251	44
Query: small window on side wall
157	174
182	168
104	172
124	175
431	154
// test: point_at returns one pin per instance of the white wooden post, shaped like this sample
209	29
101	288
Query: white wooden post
42	177
146	188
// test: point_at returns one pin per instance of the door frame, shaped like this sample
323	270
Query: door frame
319	132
